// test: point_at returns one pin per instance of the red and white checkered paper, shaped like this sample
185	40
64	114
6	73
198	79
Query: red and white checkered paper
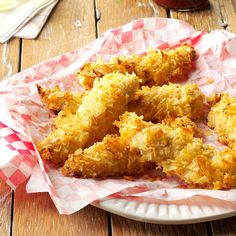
23	117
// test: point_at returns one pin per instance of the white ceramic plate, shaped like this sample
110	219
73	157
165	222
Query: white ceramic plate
192	210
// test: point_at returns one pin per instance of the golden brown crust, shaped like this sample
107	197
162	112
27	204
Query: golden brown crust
169	101
173	145
109	158
155	103
93	120
57	100
156	68
222	117
83	126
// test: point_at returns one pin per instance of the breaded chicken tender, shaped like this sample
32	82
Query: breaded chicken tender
156	68
109	158
130	124
203	166
224	165
57	100
169	101
170	144
112	157
142	135
222	117
173	146
155	103
94	118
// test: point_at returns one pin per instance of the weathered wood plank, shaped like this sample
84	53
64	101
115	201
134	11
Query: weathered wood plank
71	26
9	58
225	227
228	12
118	12
125	227
9	64
205	20
35	214
5	208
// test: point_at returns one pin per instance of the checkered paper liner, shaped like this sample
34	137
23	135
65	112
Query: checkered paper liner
18	156
24	117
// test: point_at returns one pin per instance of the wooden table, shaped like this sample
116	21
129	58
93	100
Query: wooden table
35	214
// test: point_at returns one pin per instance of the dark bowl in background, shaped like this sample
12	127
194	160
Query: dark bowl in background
184	5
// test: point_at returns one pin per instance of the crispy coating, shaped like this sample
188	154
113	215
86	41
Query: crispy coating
112	157
158	103
169	101
201	165
170	144
156	68
222	117
173	146
109	158
57	100
155	140
130	124
93	120
224	165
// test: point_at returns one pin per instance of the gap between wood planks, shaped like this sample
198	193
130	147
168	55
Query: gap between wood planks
97	16
13	193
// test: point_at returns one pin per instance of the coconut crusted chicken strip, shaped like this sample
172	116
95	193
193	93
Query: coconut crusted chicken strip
155	103
155	140
222	117
155	68
173	146
93	120
57	100
202	165
109	158
173	100
112	157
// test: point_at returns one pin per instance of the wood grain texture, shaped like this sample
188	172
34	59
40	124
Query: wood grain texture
205	20
70	26
5	208
119	12
125	227
228	12
9	57
225	227
35	214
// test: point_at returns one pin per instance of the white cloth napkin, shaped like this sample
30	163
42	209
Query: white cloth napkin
25	21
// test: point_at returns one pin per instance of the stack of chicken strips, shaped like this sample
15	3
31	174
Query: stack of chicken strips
133	117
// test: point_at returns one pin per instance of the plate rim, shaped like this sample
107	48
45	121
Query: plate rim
149	219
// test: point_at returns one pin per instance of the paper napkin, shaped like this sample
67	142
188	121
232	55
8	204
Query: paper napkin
26	20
